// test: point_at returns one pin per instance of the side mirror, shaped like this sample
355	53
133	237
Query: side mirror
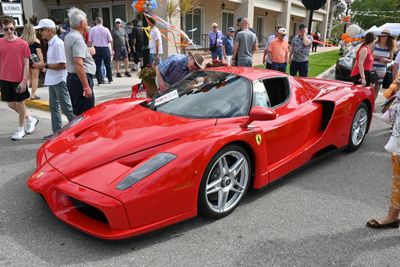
259	114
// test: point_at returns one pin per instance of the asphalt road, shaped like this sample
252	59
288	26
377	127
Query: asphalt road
313	217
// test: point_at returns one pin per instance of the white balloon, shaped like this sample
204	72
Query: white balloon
353	30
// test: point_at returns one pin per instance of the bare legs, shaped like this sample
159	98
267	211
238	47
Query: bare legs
34	77
20	108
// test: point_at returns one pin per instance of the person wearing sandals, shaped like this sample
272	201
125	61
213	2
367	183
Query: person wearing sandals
391	220
383	55
29	35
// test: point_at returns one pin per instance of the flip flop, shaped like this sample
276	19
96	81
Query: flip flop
376	225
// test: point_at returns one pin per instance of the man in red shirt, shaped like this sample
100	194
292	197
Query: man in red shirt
14	69
278	51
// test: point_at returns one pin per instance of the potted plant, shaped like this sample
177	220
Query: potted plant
148	76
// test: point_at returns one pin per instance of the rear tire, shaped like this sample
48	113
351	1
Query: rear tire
225	182
359	126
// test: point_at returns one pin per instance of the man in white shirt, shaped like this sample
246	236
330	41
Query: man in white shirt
155	43
56	75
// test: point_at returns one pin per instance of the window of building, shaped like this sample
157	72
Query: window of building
192	22
227	21
58	14
108	13
260	30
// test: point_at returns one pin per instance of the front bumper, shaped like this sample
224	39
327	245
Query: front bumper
85	209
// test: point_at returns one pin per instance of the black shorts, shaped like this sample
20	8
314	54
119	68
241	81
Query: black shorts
8	93
120	53
369	78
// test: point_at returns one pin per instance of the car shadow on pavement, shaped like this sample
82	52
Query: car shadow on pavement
27	220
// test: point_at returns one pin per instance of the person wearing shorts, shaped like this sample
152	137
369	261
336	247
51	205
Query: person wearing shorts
13	81
120	47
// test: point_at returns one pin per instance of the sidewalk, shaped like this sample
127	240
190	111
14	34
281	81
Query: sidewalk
121	87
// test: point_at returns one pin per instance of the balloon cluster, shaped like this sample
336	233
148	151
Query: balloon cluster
353	34
144	5
347	39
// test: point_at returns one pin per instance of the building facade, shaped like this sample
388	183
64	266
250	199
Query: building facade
264	15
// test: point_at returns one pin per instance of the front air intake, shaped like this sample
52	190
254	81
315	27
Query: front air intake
89	210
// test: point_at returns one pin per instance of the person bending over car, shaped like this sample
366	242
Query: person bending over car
175	68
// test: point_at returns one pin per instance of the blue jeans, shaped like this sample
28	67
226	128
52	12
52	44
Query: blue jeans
301	67
103	55
279	67
217	53
59	97
79	102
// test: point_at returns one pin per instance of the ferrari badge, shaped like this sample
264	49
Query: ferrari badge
258	139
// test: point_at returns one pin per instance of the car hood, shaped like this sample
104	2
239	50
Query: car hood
96	141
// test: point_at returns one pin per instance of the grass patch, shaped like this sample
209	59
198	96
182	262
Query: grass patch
318	63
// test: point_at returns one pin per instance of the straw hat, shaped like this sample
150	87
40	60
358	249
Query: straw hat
385	32
198	59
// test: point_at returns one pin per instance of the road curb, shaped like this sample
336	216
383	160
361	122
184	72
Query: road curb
328	73
37	104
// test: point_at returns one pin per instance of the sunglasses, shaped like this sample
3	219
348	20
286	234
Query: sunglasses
6	29
215	27
117	22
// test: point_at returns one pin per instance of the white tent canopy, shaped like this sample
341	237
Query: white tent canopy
393	27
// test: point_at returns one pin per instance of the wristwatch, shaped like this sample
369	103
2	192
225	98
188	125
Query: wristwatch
46	66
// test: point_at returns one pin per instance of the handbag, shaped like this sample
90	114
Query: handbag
387	104
214	47
387	80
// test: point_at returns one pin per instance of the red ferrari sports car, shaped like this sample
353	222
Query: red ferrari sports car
129	166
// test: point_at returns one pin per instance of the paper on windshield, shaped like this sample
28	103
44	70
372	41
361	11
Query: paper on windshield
167	97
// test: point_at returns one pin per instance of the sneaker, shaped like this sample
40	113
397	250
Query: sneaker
119	75
30	125
127	74
47	137
18	135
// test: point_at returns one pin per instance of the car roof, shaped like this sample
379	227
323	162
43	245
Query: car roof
252	74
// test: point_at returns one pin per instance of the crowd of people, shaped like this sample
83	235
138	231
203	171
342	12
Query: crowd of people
371	66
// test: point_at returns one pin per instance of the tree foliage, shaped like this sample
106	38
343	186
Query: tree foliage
368	13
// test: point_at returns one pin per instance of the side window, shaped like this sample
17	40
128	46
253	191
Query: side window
277	89
260	96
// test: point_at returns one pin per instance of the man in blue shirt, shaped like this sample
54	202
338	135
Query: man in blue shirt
175	68
228	45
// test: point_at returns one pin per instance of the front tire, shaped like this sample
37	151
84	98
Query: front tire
224	182
359	127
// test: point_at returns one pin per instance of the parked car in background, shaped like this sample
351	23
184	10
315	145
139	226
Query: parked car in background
344	66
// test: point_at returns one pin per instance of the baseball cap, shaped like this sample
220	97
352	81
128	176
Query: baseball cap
45	23
231	29
282	31
118	20
215	25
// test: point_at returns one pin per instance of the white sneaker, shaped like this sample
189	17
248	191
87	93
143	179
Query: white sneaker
19	134
30	125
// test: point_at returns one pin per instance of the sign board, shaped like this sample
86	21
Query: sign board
19	22
11	9
14	9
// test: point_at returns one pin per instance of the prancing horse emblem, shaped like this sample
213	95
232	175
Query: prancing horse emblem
258	139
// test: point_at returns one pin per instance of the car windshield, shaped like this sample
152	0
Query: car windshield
206	94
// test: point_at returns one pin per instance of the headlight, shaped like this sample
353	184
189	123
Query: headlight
147	168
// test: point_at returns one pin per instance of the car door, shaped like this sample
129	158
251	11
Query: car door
295	129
